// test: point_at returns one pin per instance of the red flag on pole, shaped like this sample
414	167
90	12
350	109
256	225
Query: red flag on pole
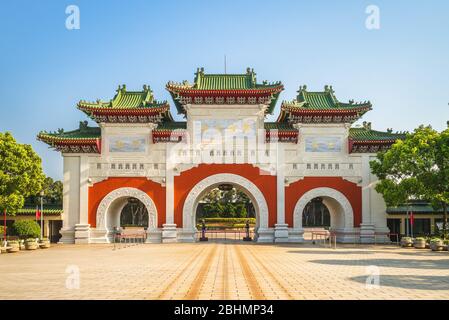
412	219
38	213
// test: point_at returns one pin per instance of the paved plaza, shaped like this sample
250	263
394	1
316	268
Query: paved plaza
224	271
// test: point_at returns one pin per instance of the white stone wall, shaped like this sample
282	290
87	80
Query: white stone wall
290	162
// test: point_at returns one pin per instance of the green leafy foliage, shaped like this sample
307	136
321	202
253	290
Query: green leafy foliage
52	193
20	173
25	229
416	168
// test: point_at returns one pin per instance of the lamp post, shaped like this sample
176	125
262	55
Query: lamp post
42	214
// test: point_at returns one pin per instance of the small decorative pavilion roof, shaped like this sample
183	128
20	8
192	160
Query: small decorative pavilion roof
364	139
128	106
169	131
225	89
85	139
322	106
280	131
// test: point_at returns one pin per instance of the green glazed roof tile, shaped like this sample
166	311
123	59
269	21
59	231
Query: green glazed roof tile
322	100
126	100
84	132
367	134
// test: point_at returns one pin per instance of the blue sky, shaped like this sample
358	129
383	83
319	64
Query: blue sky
402	68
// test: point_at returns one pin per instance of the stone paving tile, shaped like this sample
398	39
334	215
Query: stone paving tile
224	271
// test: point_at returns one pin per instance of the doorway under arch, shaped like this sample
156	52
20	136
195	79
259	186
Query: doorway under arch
261	230
110	210
341	214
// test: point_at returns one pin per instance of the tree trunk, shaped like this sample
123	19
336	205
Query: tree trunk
444	219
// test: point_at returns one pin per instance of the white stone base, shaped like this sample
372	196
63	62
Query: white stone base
82	233
296	235
169	233
264	235
186	235
281	233
347	235
100	236
154	236
367	233
68	236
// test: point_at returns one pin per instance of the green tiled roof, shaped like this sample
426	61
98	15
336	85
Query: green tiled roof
225	82
126	100
416	207
48	210
171	125
229	81
365	133
322	100
84	132
278	126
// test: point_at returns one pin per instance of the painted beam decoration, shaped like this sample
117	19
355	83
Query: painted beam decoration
323	144
127	144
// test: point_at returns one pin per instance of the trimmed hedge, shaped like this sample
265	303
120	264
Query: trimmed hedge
26	229
230	220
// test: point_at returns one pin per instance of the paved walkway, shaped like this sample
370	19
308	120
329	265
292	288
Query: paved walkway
224	271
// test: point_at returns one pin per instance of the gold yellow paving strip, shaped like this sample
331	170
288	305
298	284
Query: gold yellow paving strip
253	285
183	270
276	280
225	273
201	275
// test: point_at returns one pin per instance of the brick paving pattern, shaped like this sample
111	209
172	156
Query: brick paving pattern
225	271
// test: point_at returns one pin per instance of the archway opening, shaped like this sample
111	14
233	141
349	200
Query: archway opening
316	215
225	210
134	214
261	230
127	213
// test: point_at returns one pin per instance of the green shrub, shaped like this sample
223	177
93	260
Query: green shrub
420	239
435	240
30	240
230	220
2	229
26	229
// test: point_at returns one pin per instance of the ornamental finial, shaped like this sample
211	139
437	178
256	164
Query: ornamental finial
390	130
248	70
124	87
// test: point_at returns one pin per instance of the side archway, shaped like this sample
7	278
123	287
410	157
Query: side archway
342	214
205	185
108	212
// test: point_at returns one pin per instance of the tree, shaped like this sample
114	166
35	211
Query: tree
434	173
20	173
52	193
416	168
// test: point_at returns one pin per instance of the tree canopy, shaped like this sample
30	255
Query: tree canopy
416	168
21	173
232	203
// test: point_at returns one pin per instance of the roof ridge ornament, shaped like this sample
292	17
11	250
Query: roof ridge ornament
367	125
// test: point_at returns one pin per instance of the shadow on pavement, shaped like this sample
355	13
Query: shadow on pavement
393	263
418	282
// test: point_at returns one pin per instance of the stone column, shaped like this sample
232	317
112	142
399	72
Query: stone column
70	200
367	227
280	228
82	228
169	231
